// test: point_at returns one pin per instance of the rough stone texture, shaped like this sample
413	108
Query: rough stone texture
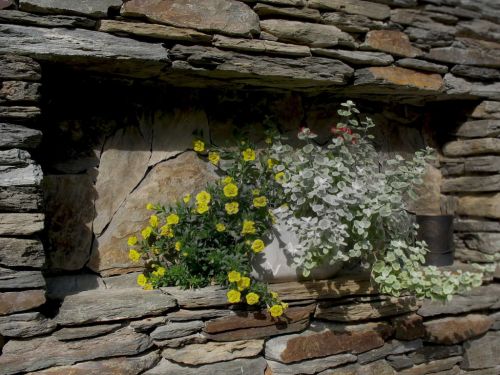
482	352
14	279
72	333
364	8
432	367
390	348
264	10
20	68
465	56
176	329
19	113
312	366
311	34
58	287
164	184
260	46
178	342
409	327
428	200
211	296
472	147
222	16
25	325
450	331
16	91
184	315
487	109
147	324
422	65
93	8
399	362
352	23
28	176
153	31
16	252
471	184
20	199
470	225
485	206
16	224
19	136
391	41
114	366
356	57
11	302
46	352
487	243
482	164
243	366
469	89
482	74
24	18
212	352
109	305
479	129
15	156
434	352
69	202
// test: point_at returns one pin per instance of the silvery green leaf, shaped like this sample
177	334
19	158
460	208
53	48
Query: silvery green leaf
308	148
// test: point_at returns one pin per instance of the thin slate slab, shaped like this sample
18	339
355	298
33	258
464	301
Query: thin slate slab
20	224
15	279
24	18
110	305
312	366
74	333
356	57
26	325
17	252
11	302
240	366
18	136
92	8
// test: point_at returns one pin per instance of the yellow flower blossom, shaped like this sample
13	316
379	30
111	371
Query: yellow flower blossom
219	227
142	280
279	177
134	255
201	208
271	163
284	305
252	298
178	246
232	208
185	254
198	145
234	276
243	283
166	230
172	219
233	296
248	227
160	271
156	251
153	221
148	286
146	232
260	201
214	157
186	198
227	180
274	295
258	246
268	140
150	207
132	240
276	311
230	190
248	154
203	197
255	192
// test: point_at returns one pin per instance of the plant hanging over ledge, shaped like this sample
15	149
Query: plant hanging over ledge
339	202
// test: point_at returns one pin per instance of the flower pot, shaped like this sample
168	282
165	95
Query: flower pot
275	263
437	232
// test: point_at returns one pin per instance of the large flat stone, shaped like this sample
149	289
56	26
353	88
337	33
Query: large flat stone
389	348
312	366
356	57
176	329
13	92
465	56
21	68
352	23
28	176
15	156
149	30
391	41
476	73
186	315
461	87
408	327
482	206
41	353
121	365
220	16
376	368
74	333
24	18
471	184
17	252
479	129
167	182
213	352
422	65
471	225
19	224
19	113
450	331
179	342
112	304
487	109
58	287
269	11
19	136
93	8
432	367
311	34
211	296
14	279
260	46
20	199
487	243
241	366
11	302
364	8
482	352
430	353
472	147
25	325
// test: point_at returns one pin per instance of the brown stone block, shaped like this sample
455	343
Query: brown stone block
11	302
450	331
391	41
408	327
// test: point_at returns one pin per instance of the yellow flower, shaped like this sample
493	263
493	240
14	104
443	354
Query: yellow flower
148	286
178	246
153	221
146	232
230	190
227	180
284	305
255	192
252	298
203	197
248	227
160	271
220	227
234	276
248	154
260	201
243	283
276	310
271	163
141	280
214	157
232	208
156	251
150	206
274	295
185	254
233	296
132	240
201	208
166	230
279	177
172	219
186	198
134	255
258	246
198	145
273	217
268	140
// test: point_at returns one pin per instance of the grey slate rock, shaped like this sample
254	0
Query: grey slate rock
240	366
479	129
352	23
14	279
487	243
76	333
177	329
429	38
19	113
113	304
474	72
364	8
422	65
210	296
356	57
59	287
390	348
434	352
24	18
19	136
462	87
92	8
471	184
21	68
482	352
264	10
147	324
31	175
466	56
14	92
312	366
472	225
399	362
15	156
20	199
17	252
26	325
20	224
